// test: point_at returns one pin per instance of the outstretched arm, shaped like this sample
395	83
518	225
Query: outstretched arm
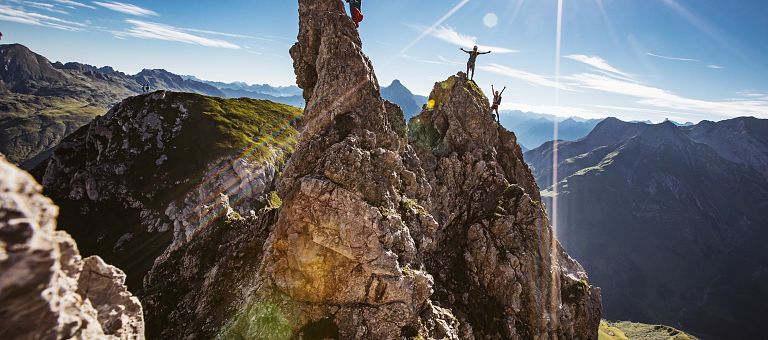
502	91
492	89
483	52
465	51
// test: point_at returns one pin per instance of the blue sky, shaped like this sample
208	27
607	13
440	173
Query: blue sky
685	60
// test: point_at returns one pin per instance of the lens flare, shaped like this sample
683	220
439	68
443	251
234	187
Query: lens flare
554	251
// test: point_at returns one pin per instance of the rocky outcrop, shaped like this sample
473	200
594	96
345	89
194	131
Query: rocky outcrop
146	177
496	263
47	290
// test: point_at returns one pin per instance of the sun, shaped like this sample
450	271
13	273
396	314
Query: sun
490	20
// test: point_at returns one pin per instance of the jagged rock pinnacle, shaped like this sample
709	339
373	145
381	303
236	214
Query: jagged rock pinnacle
341	250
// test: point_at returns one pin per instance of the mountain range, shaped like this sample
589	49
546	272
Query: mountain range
533	129
42	102
669	220
289	95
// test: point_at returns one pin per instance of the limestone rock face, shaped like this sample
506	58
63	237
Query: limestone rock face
496	263
342	252
47	290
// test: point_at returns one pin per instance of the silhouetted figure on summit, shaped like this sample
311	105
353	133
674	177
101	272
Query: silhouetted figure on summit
497	102
356	11
472	58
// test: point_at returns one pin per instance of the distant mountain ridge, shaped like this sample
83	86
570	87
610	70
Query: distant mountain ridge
669	220
289	95
534	129
42	102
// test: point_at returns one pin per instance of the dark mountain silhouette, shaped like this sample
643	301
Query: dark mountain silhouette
399	94
669	220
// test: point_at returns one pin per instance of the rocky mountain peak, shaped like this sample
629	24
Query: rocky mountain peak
458	120
487	203
19	66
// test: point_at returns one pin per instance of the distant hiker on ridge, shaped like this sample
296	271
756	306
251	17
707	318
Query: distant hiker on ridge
356	11
497	102
472	58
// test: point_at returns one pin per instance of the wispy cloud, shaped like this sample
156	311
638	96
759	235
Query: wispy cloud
671	58
660	98
151	30
715	67
74	4
45	6
8	13
126	8
229	35
665	113
530	78
598	63
450	35
440	60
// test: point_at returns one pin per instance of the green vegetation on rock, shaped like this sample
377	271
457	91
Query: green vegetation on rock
214	128
259	321
636	331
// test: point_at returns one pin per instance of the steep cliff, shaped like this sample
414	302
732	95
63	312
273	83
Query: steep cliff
47	290
669	220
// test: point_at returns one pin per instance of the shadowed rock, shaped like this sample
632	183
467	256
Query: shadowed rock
47	290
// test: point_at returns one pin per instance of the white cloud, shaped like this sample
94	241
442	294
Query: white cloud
440	60
656	97
46	6
715	67
671	58
530	78
665	113
8	13
451	36
223	34
151	30
126	8
598	63
73	4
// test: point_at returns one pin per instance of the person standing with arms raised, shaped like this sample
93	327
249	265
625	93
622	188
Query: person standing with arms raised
472	58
